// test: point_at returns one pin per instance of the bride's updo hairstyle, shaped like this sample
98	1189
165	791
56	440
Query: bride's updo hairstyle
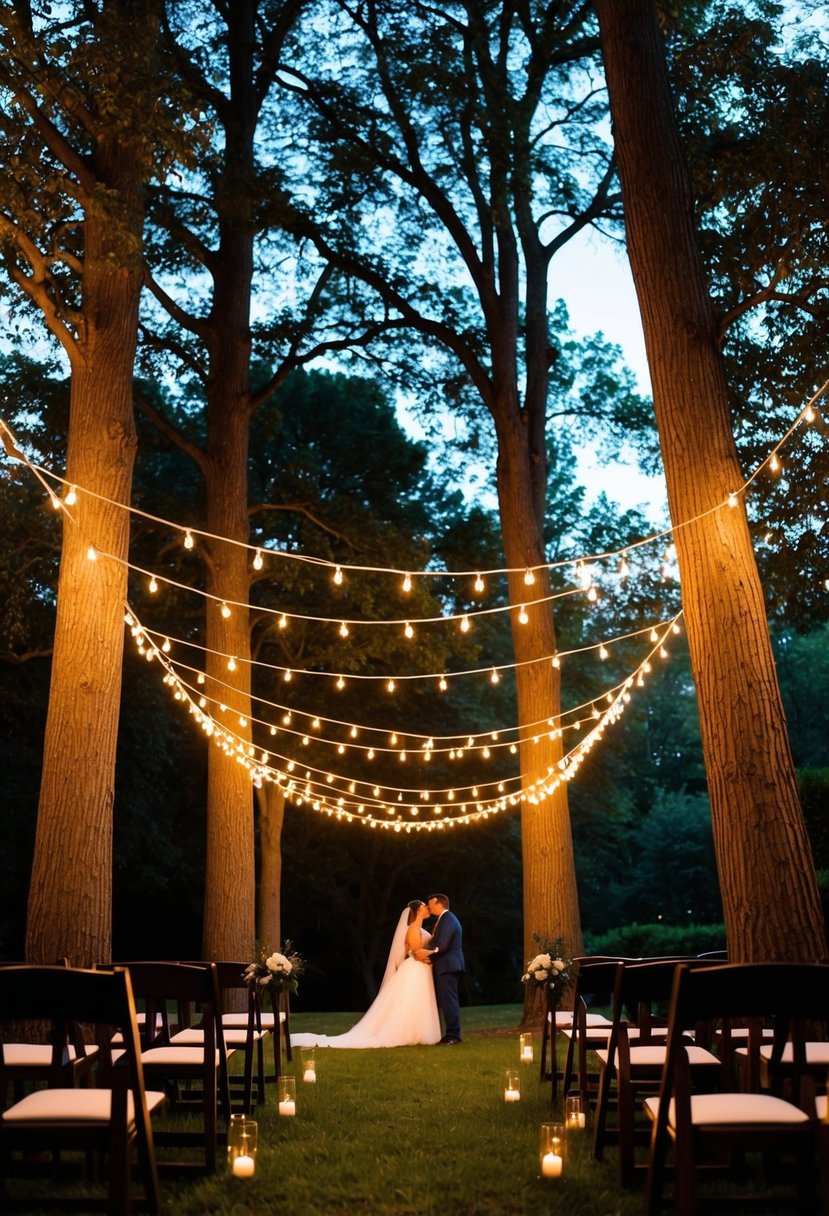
413	905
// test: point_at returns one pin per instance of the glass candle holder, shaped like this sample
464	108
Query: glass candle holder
309	1065
512	1085
574	1113
551	1150
525	1048
242	1137
287	1094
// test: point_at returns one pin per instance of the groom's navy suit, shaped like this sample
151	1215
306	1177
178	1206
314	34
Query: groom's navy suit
447	966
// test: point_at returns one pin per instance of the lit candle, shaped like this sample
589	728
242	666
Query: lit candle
287	1106
551	1165
309	1075
527	1055
581	1118
243	1167
512	1095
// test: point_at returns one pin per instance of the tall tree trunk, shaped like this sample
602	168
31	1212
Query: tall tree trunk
551	907
770	897
70	897
271	803
230	878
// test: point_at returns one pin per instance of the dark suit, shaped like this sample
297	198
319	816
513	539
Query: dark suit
447	966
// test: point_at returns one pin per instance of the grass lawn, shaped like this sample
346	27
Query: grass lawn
412	1131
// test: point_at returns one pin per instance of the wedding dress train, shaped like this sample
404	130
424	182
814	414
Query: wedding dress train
404	1012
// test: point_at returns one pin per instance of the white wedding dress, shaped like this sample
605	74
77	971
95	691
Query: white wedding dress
404	1012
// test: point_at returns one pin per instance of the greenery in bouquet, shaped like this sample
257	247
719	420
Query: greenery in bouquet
275	972
550	969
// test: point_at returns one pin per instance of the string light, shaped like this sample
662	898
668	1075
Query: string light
479	584
225	610
71	496
92	554
522	615
529	578
338	576
258	560
188	539
407	583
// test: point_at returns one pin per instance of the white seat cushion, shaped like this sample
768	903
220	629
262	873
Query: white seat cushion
816	1053
564	1017
233	1037
241	1019
71	1106
174	1057
716	1110
821	1104
39	1055
653	1056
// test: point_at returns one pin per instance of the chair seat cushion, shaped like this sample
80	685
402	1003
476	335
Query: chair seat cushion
174	1057
233	1037
241	1019
39	1055
721	1110
564	1017
653	1056
817	1053
822	1105
69	1107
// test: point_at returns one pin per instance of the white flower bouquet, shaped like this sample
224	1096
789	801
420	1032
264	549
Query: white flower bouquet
276	972
549	969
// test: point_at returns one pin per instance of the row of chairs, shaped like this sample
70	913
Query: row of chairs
715	1055
107	1066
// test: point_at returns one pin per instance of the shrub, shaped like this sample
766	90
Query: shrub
643	941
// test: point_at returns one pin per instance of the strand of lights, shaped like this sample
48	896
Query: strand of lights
807	414
405	744
287	674
317	784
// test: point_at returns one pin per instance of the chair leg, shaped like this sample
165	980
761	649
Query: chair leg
602	1103
655	1182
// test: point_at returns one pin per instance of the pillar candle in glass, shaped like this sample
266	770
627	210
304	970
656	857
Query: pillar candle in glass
525	1048
287	1094
242	1136
309	1065
574	1113
551	1150
512	1085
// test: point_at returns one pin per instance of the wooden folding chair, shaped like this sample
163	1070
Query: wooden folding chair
631	1062
178	1066
241	1032
701	1125
110	1119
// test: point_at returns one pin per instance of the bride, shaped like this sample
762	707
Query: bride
404	1012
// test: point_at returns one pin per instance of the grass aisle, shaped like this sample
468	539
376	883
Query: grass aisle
413	1131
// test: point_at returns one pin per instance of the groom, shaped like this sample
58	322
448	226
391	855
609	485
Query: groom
445	952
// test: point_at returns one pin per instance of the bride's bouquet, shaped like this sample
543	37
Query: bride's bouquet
549	970
277	972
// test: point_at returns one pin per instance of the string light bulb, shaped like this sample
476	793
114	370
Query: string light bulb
188	539
522	615
338	576
409	632
92	554
258	560
152	585
71	496
465	624
774	463
479	584
225	610
732	499
343	630
529	578
407	583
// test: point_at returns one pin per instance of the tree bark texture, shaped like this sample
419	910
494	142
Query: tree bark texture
271	804
70	896
230	877
550	902
770	898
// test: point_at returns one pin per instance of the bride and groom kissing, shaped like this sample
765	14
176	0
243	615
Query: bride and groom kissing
419	985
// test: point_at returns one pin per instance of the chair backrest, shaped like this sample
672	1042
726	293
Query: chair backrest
63	998
790	996
193	987
596	978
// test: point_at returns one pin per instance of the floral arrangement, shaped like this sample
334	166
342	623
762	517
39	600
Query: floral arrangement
277	972
549	969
